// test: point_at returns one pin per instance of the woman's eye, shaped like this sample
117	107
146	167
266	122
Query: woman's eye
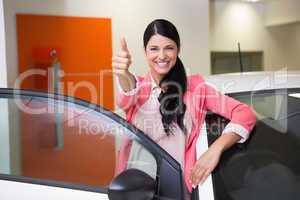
170	48
153	49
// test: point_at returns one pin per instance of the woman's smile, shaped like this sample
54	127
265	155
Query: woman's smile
163	64
161	53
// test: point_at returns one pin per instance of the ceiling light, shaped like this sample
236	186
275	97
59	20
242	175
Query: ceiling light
252	1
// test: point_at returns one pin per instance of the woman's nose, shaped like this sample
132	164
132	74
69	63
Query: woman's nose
161	54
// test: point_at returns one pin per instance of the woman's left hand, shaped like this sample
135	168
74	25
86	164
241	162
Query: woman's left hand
205	165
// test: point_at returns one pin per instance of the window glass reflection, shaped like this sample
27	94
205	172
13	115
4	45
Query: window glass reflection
67	142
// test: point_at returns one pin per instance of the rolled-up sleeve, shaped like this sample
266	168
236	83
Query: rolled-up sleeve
238	129
242	118
126	99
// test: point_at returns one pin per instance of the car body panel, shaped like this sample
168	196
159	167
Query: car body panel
11	190
254	81
206	189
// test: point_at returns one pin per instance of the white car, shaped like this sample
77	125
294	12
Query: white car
267	166
57	147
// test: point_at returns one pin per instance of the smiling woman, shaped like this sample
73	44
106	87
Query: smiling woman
170	106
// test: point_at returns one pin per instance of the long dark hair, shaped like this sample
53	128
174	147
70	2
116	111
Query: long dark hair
174	83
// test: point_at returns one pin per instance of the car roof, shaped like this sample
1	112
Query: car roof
254	81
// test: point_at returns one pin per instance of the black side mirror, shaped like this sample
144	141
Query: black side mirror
132	184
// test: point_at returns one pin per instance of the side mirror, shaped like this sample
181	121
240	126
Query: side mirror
132	184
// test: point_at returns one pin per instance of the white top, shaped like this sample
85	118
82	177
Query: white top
148	119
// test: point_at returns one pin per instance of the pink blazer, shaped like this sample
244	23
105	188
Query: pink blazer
198	98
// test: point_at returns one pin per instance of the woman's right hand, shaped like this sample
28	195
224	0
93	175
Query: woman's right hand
122	60
120	64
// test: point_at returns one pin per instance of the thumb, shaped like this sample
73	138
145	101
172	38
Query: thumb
124	44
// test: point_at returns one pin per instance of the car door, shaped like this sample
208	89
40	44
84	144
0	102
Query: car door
267	166
55	147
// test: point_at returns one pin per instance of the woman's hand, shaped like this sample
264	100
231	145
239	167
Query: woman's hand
120	65
205	165
210	159
122	60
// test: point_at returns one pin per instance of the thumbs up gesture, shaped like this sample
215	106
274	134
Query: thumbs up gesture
122	60
120	64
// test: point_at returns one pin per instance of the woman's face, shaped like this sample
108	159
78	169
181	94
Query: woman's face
161	54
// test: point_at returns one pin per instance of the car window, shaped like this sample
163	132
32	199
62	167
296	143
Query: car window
266	105
67	142
267	166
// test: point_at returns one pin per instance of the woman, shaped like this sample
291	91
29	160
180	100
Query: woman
176	104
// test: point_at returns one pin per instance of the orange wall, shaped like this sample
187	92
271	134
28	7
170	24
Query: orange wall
84	50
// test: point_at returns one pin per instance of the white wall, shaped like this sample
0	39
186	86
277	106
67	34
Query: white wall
282	12
4	134
3	76
129	18
233	21
282	47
